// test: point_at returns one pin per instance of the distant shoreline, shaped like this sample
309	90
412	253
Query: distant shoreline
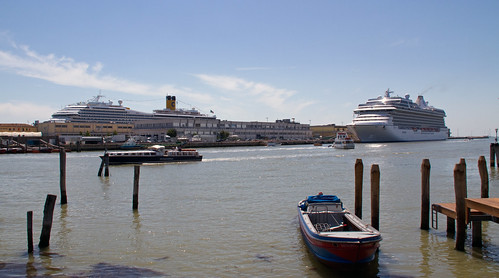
469	137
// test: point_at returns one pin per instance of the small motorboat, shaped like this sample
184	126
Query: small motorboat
343	141
333	234
154	154
131	144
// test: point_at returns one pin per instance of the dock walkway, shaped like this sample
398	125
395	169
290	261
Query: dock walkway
477	210
488	206
481	209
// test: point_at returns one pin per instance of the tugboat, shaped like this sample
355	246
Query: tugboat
131	144
154	154
343	141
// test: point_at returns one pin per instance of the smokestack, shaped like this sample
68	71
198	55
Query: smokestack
170	102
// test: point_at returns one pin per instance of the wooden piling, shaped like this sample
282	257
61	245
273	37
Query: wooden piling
451	227
359	176
106	164
375	175
136	177
461	193
100	168
62	162
484	177
29	216
425	194
494	149
48	213
476	233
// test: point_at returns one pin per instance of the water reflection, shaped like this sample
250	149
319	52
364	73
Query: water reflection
494	173
63	234
211	217
425	265
137	236
31	270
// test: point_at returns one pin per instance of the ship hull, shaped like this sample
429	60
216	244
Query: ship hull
390	133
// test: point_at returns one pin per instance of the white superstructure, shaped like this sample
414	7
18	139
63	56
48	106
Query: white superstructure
98	111
395	119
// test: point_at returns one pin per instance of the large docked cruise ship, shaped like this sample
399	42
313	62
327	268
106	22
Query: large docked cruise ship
98	111
397	119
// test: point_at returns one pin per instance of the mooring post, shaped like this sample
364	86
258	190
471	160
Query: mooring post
493	155
461	193
48	213
29	216
101	167
375	196
476	233
359	176
106	163
476	226
62	160
496	151
451	227
425	194
484	177
136	177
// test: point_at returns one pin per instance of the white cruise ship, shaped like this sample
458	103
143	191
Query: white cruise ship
98	111
397	119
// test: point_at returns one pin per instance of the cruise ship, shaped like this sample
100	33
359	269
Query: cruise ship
97	111
398	119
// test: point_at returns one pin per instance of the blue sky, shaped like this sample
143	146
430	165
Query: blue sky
314	61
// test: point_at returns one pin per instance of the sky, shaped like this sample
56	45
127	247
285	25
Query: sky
258	60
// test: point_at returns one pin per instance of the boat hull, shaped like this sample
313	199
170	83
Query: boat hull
332	250
117	160
345	146
389	133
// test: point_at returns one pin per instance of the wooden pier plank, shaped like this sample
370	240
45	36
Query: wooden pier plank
449	209
486	205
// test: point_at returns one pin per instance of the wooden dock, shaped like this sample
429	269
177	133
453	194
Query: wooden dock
488	206
449	210
477	210
466	210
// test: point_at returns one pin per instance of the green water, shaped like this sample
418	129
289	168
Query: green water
234	213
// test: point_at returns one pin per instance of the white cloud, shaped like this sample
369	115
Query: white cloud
66	71
224	82
24	112
232	96
275	98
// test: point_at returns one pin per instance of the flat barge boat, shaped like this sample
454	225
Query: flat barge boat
154	154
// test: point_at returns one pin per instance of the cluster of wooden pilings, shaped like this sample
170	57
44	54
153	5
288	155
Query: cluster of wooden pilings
48	210
375	177
459	214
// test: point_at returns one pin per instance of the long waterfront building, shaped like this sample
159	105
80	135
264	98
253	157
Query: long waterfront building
95	117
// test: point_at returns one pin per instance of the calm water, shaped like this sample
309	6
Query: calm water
234	213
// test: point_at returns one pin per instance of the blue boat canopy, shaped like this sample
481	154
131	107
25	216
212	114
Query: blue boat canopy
320	198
